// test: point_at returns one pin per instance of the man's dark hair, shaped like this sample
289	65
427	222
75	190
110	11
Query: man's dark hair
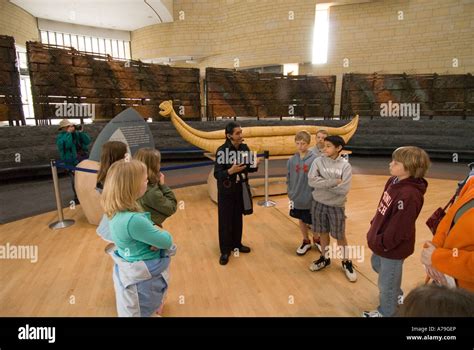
336	140
229	128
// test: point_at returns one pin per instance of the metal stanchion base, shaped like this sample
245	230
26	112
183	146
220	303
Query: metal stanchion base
61	224
266	204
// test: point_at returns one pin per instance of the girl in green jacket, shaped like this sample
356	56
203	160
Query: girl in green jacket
159	200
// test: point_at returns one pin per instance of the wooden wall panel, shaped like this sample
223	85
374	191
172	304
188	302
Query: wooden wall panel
61	74
438	95
11	107
232	93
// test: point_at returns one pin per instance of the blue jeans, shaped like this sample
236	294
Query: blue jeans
140	286
389	282
152	291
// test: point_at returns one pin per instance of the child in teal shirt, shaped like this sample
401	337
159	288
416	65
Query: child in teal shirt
141	269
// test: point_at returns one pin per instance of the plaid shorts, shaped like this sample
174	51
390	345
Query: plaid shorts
327	219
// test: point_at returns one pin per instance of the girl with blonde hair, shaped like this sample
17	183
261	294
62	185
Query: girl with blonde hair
140	274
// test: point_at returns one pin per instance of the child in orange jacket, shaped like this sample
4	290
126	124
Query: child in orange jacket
451	252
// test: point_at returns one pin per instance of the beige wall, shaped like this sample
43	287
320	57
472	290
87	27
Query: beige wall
194	35
18	23
368	34
257	32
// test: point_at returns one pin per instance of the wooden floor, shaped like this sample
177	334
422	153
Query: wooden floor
73	275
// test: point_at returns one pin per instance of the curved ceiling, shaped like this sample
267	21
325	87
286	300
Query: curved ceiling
112	14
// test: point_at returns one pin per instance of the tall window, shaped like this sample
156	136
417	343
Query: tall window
116	48
321	34
25	85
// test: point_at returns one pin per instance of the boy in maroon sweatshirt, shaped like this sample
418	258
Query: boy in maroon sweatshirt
391	236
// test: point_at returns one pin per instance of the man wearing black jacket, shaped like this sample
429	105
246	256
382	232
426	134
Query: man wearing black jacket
233	162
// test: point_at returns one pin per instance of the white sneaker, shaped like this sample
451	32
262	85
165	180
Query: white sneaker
303	248
349	270
319	264
374	313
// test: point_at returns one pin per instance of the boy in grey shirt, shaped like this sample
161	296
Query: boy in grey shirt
299	191
330	176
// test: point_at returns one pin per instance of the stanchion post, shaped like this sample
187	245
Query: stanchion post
61	223
267	202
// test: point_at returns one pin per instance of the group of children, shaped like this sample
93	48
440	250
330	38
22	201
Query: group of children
319	180
137	201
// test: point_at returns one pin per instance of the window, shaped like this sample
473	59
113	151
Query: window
320	34
26	98
59	39
88	41
67	40
51	39
115	52
127	50
121	50
116	48
95	45
82	46
101	45
264	69
74	41
290	69
44	37
21	59
108	47
25	85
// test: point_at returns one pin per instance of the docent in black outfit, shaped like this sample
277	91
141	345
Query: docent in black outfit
234	161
